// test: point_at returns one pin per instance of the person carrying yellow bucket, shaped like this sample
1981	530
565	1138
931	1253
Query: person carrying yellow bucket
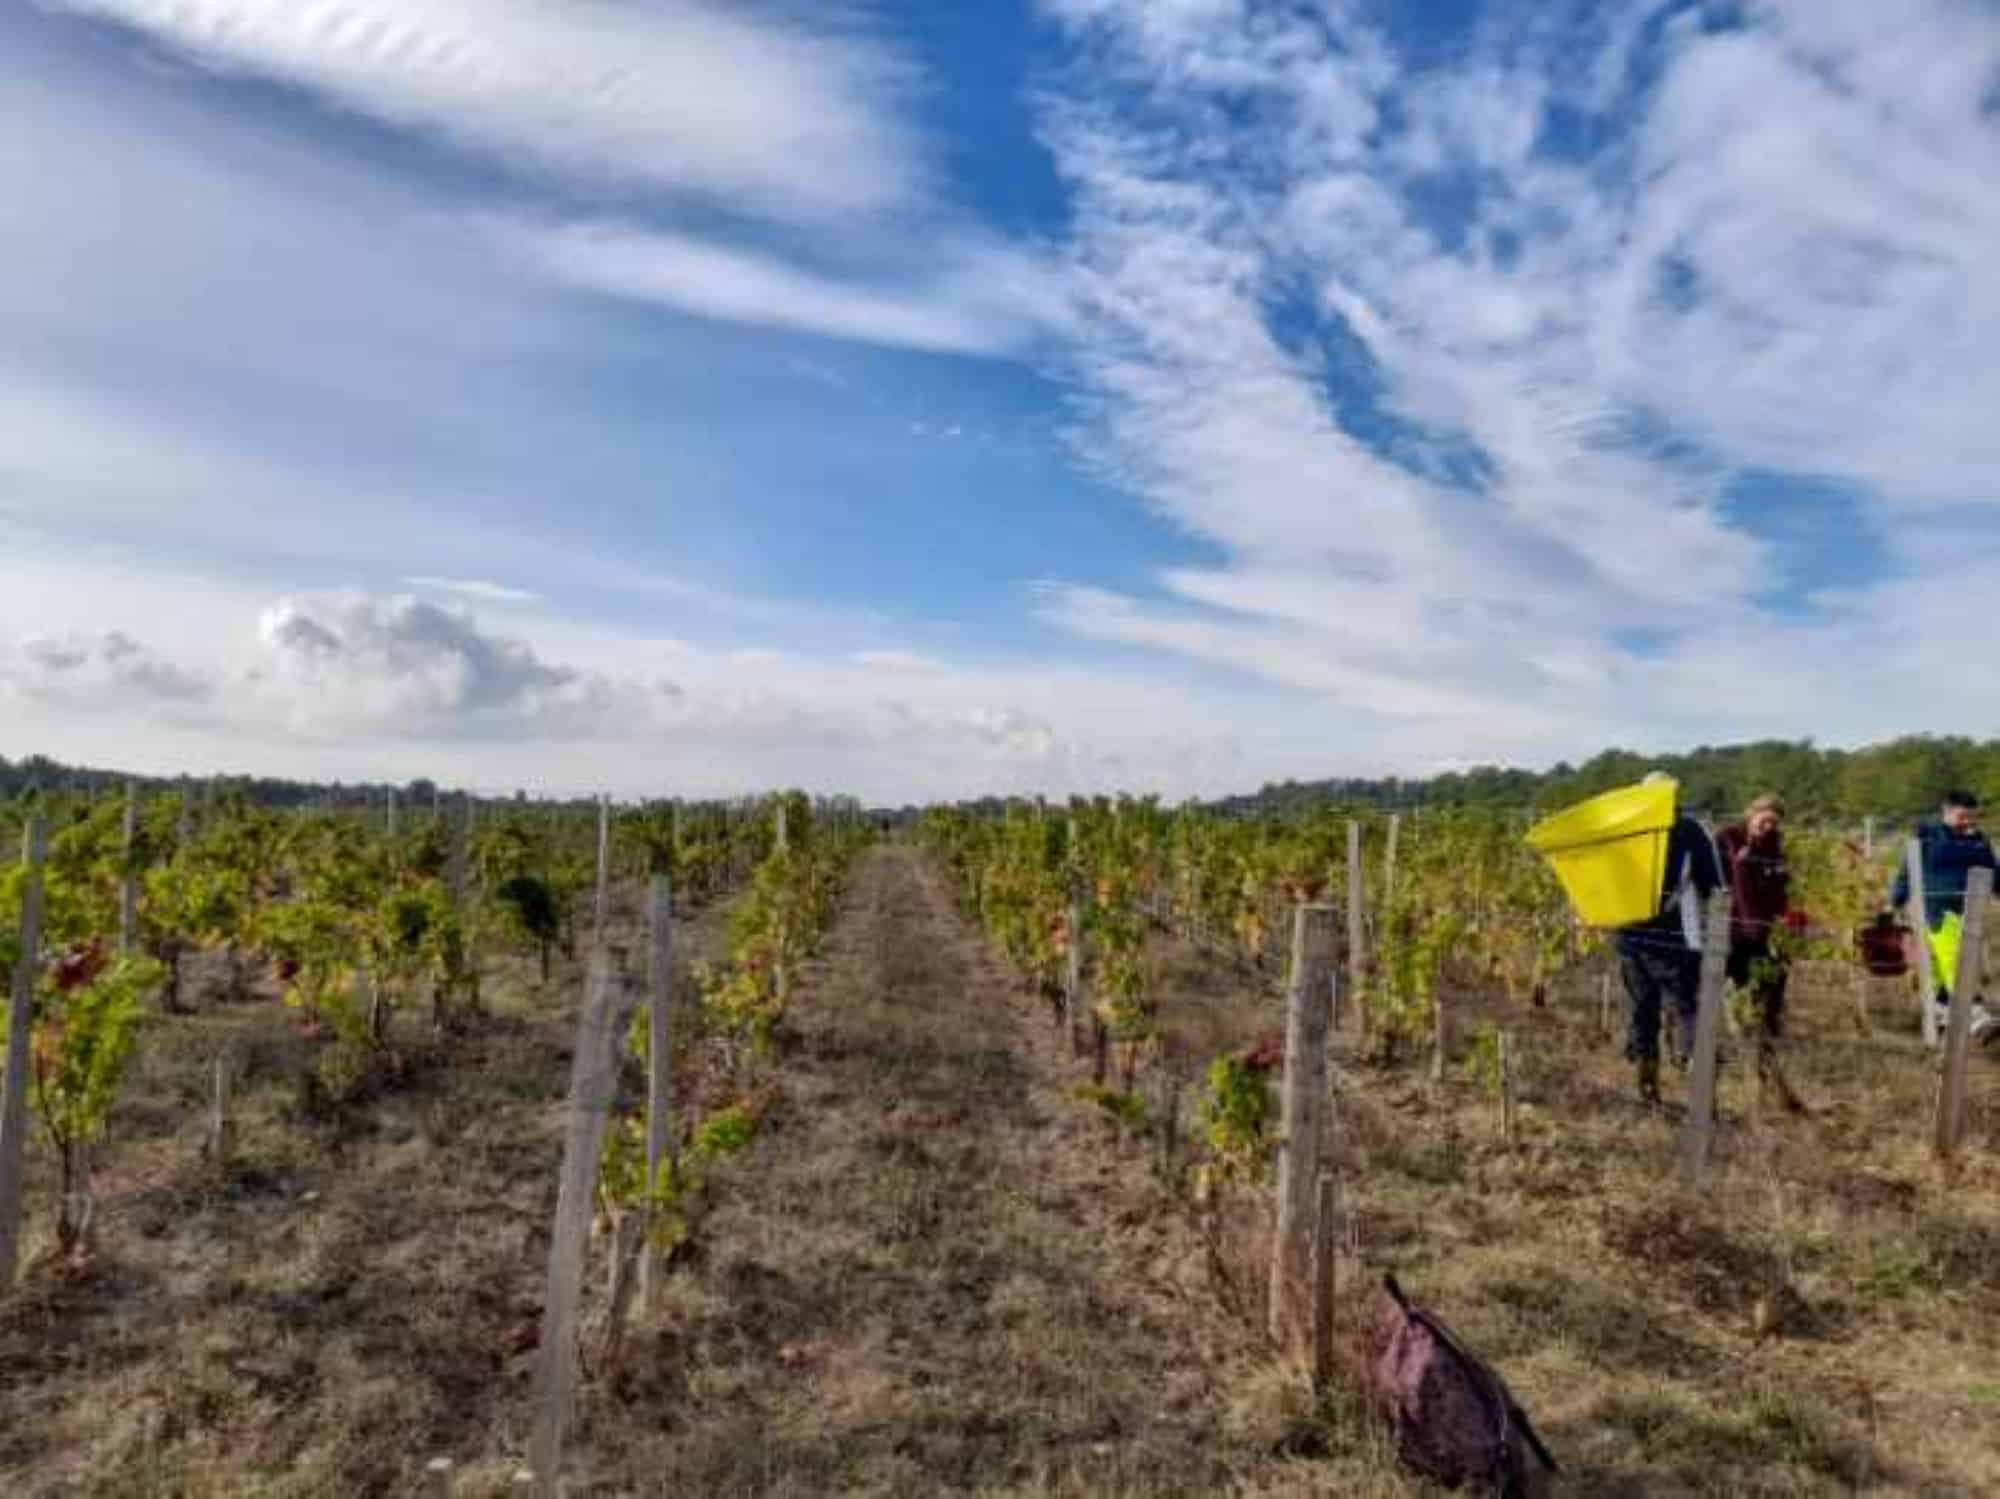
1632	861
1952	847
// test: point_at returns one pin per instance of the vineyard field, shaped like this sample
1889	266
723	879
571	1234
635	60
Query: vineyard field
971	1188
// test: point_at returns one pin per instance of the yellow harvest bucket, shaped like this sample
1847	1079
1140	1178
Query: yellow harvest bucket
1945	943
1610	853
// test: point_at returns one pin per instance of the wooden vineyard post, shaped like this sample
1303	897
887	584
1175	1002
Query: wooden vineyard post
459	873
781	835
1958	1030
389	813
20	1015
659	1072
128	875
601	903
1313	929
1356	932
1073	968
1389	870
1326	1212
221	1136
1699	1132
1508	1110
1604	1006
593	1082
1868	838
1920	920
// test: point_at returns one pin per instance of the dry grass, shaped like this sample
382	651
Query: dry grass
1821	1317
339	1305
936	1270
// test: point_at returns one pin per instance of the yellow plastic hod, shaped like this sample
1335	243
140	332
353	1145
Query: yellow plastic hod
1610	853
1945	943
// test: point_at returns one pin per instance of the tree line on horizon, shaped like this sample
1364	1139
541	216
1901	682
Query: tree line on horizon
1896	780
1901	779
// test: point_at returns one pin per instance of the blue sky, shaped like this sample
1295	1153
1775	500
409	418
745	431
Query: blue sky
678	395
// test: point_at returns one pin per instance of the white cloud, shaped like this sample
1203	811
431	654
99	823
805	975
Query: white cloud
990	302
748	106
1450	513
896	660
476	588
351	684
350	663
108	670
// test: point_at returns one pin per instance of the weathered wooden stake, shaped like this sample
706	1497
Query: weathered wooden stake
128	876
1357	970
1604	1006
1073	997
601	905
1965	986
660	1142
628	1239
459	871
20	1015
593	1082
1313	929
1920	919
1440	1033
389	822
221	1134
437	1474
1507	1099
782	840
1868	838
1389	866
1698	1134
1325	1217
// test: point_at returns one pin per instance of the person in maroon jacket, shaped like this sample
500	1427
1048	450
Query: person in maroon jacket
1760	892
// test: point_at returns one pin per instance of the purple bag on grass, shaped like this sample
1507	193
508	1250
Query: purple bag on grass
1454	1419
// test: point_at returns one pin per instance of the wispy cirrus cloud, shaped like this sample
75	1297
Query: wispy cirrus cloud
803	120
1459	363
477	588
749	106
990	301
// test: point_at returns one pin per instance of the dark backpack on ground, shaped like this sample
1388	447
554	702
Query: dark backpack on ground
1454	1420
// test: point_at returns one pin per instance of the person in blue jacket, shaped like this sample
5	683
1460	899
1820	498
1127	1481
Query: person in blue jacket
1660	958
1952	847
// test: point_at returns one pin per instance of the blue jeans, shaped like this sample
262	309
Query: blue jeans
1658	970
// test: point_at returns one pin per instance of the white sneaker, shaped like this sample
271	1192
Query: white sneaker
1984	1024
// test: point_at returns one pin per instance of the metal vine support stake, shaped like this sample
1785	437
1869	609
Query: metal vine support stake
20	1016
1313	934
1958	1030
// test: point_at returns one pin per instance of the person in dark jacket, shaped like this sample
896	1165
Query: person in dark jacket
1661	957
1951	848
1760	890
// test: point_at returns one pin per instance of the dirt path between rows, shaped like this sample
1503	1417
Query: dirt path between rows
936	1271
